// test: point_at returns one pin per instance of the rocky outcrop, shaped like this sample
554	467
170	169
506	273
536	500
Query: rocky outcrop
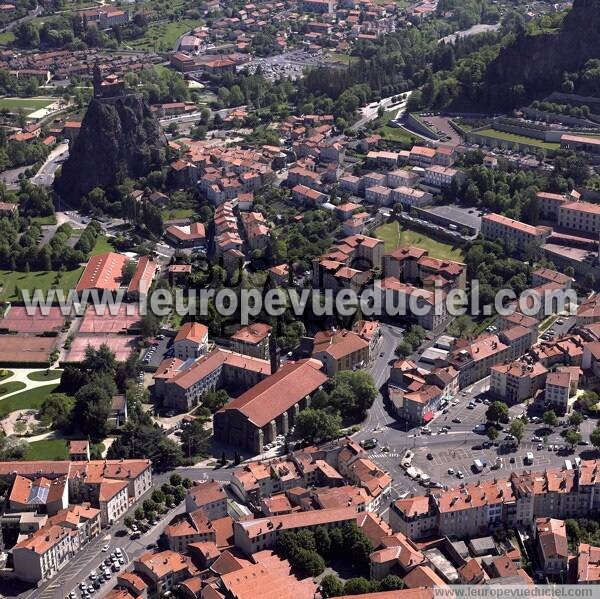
538	61
119	138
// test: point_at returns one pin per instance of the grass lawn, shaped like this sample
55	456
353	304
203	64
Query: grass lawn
44	220
11	387
11	282
164	35
102	246
45	375
27	104
341	57
511	137
395	236
395	133
7	37
48	449
4	374
177	213
32	399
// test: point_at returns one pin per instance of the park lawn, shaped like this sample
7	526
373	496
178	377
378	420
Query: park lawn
47	449
397	134
32	399
11	387
395	236
163	35
512	137
102	246
11	282
177	213
341	57
44	220
4	373
27	104
45	375
7	37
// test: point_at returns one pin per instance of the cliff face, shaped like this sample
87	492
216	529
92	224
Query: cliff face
538	61
119	138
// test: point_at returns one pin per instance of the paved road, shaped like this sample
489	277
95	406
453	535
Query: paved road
481	28
30	15
369	113
45	176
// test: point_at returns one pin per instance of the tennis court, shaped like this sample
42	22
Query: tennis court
16	320
121	345
96	320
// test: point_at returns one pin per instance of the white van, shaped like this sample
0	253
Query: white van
529	458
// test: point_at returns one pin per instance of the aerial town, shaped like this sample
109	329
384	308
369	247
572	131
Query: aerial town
299	299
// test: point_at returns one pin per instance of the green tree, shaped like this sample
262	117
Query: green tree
595	438
550	418
92	409
572	437
497	412
195	439
57	410
492	433
403	349
322	541
331	586
356	586
392	583
315	426
517	429
576	418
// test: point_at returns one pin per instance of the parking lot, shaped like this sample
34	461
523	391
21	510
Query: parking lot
289	64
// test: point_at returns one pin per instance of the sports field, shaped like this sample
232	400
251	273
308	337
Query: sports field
26	104
11	282
395	236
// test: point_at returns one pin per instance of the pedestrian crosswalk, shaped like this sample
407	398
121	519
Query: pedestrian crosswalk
385	454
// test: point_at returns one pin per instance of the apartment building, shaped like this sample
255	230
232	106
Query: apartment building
422	156
551	545
180	385
558	391
442	176
252	340
542	276
262	533
517	381
46	551
410	197
476	508
209	497
549	204
340	350
474	359
191	341
496	227
415	517
580	216
379	195
401	178
423	307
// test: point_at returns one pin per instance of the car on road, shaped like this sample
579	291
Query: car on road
430	456
471	406
456	420
369	443
105	548
381	354
583	442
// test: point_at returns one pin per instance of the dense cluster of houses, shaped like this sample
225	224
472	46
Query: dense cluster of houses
56	508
